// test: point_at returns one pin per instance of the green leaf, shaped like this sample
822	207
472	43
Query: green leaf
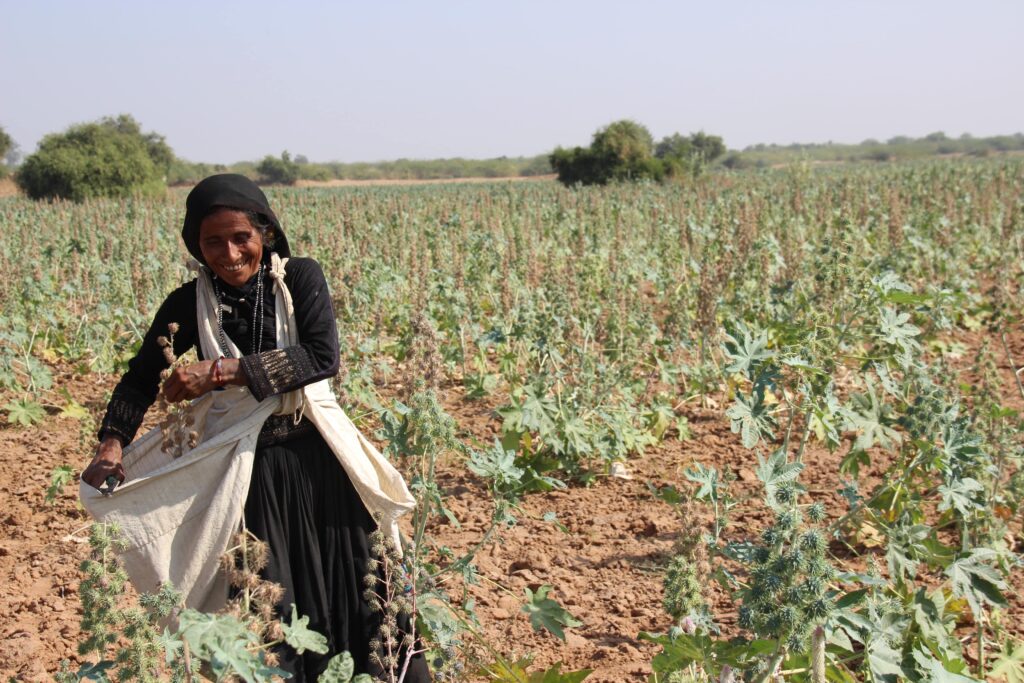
1008	665
977	582
746	353
962	495
555	675
339	669
498	466
224	642
301	637
95	672
776	471
24	412
547	613
870	416
707	477
60	477
895	328
935	672
750	419
885	662
74	410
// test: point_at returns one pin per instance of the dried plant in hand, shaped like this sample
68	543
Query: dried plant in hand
178	424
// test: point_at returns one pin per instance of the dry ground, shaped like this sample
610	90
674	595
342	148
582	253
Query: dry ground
605	565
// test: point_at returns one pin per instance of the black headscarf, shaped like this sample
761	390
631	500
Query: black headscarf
233	191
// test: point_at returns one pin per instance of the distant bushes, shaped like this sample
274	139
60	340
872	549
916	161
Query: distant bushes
625	150
108	158
279	171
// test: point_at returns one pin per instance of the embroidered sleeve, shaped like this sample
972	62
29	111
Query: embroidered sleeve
275	372
123	417
316	356
138	387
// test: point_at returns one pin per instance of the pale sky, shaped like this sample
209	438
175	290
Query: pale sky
366	81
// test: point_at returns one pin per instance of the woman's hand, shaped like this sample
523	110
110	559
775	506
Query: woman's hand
195	379
106	463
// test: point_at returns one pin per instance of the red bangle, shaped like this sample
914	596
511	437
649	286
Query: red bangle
217	372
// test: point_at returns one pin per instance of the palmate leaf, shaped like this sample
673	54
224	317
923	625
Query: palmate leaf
977	582
498	466
935	672
547	613
707	477
300	636
775	471
24	412
750	419
555	675
895	328
963	495
747	352
870	417
224	642
884	661
1008	665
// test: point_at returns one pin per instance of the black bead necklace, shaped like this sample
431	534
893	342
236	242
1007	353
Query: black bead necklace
257	316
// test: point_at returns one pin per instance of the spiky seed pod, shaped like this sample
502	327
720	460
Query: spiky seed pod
787	520
770	536
163	342
274	593
762	555
169	355
173	328
816	513
259	554
812	543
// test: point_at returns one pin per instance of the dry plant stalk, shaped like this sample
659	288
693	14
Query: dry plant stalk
178	434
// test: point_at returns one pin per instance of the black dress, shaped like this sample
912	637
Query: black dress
301	501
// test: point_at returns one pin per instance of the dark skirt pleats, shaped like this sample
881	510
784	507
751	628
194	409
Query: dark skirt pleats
303	504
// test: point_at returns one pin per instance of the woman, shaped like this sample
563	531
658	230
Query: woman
300	500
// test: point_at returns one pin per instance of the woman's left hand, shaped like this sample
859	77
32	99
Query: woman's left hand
189	381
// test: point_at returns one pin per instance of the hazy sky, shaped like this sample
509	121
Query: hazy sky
363	81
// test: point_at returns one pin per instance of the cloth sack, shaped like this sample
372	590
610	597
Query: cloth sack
178	515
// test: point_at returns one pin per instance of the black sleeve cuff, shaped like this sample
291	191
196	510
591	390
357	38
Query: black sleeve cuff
275	372
123	417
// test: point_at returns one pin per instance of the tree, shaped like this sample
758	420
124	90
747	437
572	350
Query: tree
622	150
6	143
692	153
108	158
281	171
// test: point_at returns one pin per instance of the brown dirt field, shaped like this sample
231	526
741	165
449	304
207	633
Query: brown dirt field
605	567
8	188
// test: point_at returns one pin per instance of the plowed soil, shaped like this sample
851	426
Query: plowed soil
605	560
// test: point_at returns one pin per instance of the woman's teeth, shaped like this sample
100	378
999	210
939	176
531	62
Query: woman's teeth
234	268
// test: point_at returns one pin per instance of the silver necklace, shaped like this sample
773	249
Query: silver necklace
257	316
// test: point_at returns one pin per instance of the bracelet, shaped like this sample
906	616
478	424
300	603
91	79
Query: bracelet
217	372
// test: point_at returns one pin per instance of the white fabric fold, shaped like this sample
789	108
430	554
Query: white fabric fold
177	516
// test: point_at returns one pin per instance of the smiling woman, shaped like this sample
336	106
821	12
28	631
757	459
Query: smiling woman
310	482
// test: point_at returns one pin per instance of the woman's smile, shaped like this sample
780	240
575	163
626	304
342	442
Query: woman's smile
231	246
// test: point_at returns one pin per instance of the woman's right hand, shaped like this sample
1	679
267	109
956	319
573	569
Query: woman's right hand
106	463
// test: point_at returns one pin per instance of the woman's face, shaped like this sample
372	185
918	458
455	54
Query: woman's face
231	247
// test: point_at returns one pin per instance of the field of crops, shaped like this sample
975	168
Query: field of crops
767	423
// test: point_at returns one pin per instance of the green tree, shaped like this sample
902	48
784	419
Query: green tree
623	150
6	143
107	158
281	171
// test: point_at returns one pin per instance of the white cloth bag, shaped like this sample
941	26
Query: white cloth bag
177	516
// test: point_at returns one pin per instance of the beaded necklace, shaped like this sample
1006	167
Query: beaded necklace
257	316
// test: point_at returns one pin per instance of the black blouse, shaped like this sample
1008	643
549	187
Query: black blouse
270	372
